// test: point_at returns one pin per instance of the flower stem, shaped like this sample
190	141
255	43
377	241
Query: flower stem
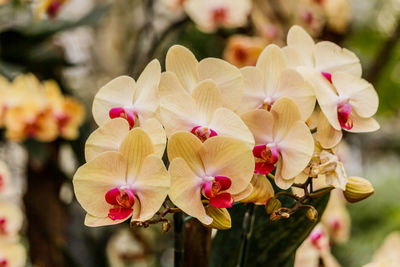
248	222
178	240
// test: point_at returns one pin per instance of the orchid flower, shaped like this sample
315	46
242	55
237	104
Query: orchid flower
5	179
270	80
11	220
282	139
182	67
209	15
347	102
12	254
202	113
242	50
219	170
123	97
115	186
111	134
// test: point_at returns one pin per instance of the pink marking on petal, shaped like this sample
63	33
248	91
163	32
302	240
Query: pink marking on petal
119	213
54	8
224	181
219	15
263	168
315	236
327	75
3	226
111	196
3	263
203	133
1	182
62	120
126	113
307	17
336	225
207	186
344	111
222	200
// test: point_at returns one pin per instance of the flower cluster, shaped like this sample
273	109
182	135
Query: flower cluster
12	252
30	109
227	128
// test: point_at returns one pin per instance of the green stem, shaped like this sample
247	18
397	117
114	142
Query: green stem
178	240
248	222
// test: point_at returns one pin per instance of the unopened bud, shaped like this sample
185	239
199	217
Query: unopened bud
165	227
275	216
262	190
285	215
273	204
312	214
221	218
357	189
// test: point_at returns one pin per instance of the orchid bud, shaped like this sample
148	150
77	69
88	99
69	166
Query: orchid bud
312	214
273	204
165	227
221	218
275	216
357	189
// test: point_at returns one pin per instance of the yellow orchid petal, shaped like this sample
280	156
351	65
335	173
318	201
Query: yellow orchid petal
363	125
117	93
178	113
157	135
279	181
293	86
253	91
13	253
325	93
93	221
170	85
187	146
208	99
151	187
362	95
227	77
228	157
262	190
226	123
185	191
108	137
296	150
94	179
135	148
299	39
146	94
243	194
183	63
260	122
13	219
285	113
329	57
326	135
271	63
293	57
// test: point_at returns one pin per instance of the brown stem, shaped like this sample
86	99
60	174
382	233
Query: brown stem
197	244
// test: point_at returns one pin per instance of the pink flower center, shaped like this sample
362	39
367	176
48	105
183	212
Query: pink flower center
122	200
203	133
219	15
214	190
3	263
344	111
266	157
307	17
267	103
240	54
315	237
327	75
1	182
126	113
53	8
3	226
62	120
336	225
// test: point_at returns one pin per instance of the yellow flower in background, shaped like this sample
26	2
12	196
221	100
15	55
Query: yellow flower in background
115	186
174	5
11	220
125	98
202	113
388	253
282	139
12	254
111	134
218	170
183	68
271	80
209	15
50	8
242	50
338	14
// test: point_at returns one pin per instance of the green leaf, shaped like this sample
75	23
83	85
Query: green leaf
271	243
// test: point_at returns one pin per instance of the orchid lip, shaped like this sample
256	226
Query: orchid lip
214	188
344	111
203	133
127	113
266	157
122	199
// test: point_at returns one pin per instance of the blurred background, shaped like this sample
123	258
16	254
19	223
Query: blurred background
73	47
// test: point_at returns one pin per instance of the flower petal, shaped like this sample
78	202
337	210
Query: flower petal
186	146
108	137
329	57
279	181
326	135
208	99
253	91
296	150
299	39
363	97
185	191
363	125
285	113
157	135
117	93
151	187
260	122
95	178
146	95
93	221
225	156
227	77
262	190
170	85
184	64
271	63
243	194
135	148
226	123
